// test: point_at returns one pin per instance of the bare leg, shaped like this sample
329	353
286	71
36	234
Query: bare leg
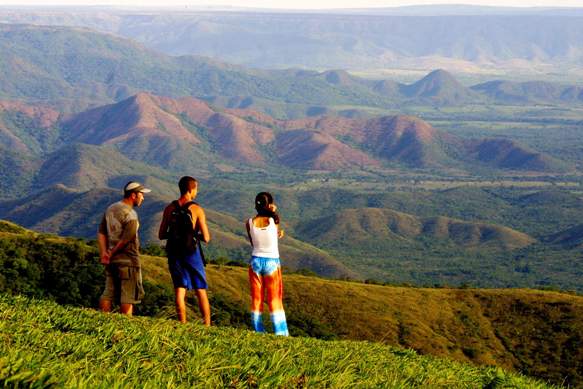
181	304
105	305
127	309
203	305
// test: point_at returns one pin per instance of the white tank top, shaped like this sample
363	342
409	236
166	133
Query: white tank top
264	240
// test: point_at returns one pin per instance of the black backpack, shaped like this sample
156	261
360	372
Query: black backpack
182	239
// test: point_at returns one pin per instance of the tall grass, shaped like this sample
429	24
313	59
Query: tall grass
43	345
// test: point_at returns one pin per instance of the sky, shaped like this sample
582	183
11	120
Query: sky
298	4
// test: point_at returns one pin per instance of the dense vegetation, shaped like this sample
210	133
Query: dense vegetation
367	247
48	267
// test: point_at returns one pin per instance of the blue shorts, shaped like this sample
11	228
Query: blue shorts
264	266
188	271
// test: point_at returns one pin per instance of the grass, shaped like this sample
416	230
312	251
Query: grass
46	345
535	332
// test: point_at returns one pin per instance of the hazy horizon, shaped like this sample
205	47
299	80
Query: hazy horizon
299	4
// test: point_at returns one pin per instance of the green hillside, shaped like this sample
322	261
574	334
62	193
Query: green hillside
87	67
68	212
46	345
397	236
535	332
17	172
86	167
386	227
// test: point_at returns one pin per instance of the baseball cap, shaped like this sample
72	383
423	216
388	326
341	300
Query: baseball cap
134	186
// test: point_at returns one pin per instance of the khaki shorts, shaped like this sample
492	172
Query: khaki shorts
123	284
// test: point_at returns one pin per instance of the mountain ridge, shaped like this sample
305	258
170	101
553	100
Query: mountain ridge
491	40
371	224
115	68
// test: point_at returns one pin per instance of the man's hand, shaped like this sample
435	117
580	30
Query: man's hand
280	234
105	256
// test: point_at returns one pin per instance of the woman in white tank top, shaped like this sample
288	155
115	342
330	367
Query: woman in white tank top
265	266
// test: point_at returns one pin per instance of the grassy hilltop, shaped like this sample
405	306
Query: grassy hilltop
44	345
535	332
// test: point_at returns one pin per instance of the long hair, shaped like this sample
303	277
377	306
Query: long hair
262	202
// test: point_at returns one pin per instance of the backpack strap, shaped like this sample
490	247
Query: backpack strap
196	234
185	205
188	204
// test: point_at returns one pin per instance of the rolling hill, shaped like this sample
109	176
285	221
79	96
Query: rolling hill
485	327
509	154
571	237
26	132
187	133
28	129
17	172
89	69
385	227
529	92
314	150
440	88
86	167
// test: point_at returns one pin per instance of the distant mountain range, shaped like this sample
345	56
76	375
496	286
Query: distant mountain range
151	135
155	139
463	36
86	69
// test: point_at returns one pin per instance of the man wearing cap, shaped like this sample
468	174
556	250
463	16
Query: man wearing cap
119	248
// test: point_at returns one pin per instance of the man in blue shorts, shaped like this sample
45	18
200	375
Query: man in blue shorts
184	226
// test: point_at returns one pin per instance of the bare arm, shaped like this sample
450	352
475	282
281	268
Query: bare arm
103	252
249	232
163	230
120	245
102	242
280	232
130	231
200	223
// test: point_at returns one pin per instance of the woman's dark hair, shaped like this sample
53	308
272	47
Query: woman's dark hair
262	202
